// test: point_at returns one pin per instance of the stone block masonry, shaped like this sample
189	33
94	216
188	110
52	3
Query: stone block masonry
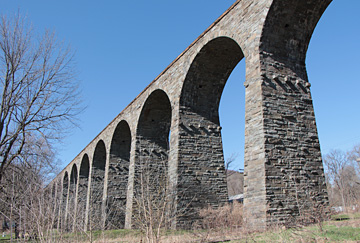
176	119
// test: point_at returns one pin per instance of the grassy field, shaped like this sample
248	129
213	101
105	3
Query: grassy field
332	231
342	228
345	230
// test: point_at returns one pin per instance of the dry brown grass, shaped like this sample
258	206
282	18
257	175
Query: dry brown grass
229	215
334	231
219	224
226	224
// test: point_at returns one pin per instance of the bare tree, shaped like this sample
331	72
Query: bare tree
39	91
23	200
343	178
234	178
336	162
354	156
154	207
229	161
152	199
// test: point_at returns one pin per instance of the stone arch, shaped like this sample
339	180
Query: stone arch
65	184
155	120
200	145
72	195
64	201
74	175
97	186
55	202
58	203
53	190
118	175
154	127
152	146
82	192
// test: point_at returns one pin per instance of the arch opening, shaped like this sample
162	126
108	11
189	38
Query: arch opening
65	185
74	175
154	127
152	151
57	200
53	190
233	132
72	195
97	186
64	205
82	191
200	130
118	176
155	120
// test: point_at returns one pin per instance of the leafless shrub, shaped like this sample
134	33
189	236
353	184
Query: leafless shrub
152	199
30	207
155	193
222	223
343	178
227	216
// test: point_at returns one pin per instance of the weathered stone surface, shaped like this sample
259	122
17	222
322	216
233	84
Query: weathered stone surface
282	152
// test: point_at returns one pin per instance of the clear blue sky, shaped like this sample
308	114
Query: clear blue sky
122	45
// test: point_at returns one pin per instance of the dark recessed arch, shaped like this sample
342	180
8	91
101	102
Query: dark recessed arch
84	167
152	147
74	175
83	190
56	199
65	182
97	185
72	195
53	190
118	175
65	190
99	158
155	119
121	141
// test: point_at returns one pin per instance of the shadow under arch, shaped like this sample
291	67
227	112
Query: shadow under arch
74	175
72	196
64	201
155	120
152	135
82	193
96	217
118	176
152	152
56	199
201	172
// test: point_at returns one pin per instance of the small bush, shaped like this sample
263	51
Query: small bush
227	216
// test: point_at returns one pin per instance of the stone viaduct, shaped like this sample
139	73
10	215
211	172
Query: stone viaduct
175	118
